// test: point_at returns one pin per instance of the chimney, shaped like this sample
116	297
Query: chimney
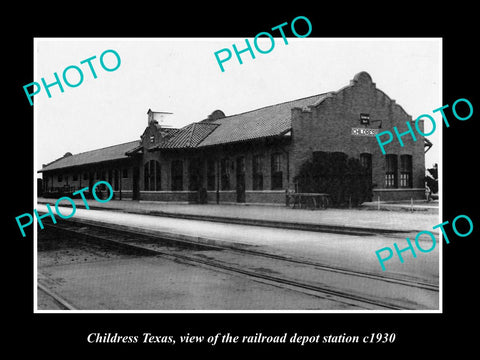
157	117
217	114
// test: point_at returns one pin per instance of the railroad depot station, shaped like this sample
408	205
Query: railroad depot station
253	157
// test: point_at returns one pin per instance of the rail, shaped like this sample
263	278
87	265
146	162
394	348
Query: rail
135	242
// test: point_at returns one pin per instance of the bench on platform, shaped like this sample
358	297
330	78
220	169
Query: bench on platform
308	200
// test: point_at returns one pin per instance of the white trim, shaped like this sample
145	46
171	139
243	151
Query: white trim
166	202
248	203
265	204
221	191
401	189
167	191
266	191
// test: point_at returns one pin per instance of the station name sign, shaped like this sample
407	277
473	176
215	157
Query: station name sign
364	132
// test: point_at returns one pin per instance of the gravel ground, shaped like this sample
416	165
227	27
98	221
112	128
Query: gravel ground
55	248
45	302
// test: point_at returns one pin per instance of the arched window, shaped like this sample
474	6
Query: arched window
195	169
225	174
406	171
115	179
366	161
277	171
257	172
177	175
211	174
391	171
152	176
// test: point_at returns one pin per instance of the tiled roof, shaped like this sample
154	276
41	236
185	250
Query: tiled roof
188	137
166	131
268	121
109	153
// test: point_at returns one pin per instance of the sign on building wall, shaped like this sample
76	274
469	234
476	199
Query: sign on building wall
364	119
364	132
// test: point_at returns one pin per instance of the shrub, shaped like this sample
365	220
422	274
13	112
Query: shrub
343	178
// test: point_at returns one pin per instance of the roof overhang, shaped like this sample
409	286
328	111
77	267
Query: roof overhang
428	144
135	151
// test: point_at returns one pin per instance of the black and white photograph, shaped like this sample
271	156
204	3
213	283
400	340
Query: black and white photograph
169	179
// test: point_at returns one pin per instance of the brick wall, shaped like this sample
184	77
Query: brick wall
328	127
168	196
94	171
398	194
126	195
229	196
251	197
266	197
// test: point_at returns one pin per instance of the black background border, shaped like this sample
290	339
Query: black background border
415	332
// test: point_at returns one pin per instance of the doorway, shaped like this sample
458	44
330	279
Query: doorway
240	172
135	188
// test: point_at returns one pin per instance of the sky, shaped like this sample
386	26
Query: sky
182	76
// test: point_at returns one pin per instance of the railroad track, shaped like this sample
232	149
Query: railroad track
167	247
61	302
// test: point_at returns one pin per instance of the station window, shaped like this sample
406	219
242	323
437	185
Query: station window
75	177
366	161
225	174
59	178
195	174
391	171
257	172
115	180
406	171
210	174
125	173
177	175
158	176
241	165
152	176
85	176
276	173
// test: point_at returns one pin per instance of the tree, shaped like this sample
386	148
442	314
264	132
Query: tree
431	178
343	178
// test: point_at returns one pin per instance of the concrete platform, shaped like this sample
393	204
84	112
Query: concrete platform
331	249
366	218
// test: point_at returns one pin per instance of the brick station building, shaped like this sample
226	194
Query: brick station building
254	156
